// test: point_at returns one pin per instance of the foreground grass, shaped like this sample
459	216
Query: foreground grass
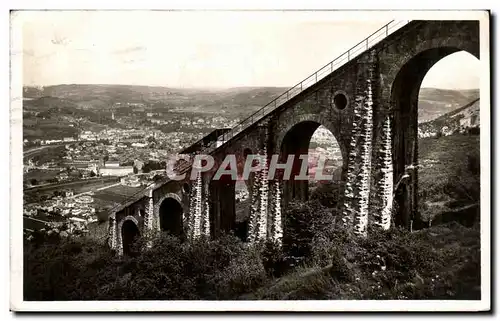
436	263
449	177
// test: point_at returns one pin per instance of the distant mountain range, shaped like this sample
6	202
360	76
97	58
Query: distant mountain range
86	101
434	102
211	100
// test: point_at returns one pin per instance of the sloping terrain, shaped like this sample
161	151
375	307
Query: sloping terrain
466	116
434	102
449	173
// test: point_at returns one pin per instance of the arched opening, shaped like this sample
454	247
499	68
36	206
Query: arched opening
324	146
298	141
322	167
448	141
171	216
130	234
407	104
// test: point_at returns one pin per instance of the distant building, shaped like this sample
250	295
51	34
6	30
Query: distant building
471	121
132	181
112	164
139	144
116	171
63	176
446	131
51	141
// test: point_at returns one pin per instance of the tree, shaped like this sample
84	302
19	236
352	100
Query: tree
135	170
146	168
52	180
327	193
105	159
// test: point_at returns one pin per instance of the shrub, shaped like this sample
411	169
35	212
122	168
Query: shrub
273	259
327	193
243	274
439	262
302	223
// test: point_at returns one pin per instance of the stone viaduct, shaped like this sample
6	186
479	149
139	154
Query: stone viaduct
367	98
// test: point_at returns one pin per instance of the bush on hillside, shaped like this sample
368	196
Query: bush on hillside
302	222
327	193
201	269
439	262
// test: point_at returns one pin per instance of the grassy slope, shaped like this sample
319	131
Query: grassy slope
441	262
454	251
441	159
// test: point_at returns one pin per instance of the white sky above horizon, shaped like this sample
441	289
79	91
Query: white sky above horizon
200	49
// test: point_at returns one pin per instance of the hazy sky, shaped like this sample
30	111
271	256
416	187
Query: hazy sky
199	49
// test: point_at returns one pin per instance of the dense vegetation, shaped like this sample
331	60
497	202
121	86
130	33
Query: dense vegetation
437	263
318	260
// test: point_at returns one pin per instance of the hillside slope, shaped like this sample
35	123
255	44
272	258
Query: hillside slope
54	118
435	102
449	174
457	120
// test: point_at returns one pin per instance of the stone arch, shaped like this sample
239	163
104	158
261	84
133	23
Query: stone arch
295	140
319	120
129	231
404	91
169	213
431	36
167	195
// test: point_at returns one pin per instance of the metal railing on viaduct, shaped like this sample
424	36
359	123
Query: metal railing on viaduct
312	79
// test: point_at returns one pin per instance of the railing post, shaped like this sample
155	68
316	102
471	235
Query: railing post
331	67
367	42
301	86
387	29
316	75
348	54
